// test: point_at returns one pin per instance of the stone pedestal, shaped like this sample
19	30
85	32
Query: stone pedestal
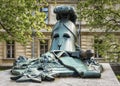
108	78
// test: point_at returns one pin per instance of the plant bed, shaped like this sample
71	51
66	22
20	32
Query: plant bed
118	77
5	68
116	69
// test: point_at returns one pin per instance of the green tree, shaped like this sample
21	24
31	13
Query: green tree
18	18
107	46
105	16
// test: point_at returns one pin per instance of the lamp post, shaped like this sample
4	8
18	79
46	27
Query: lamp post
79	33
79	30
33	43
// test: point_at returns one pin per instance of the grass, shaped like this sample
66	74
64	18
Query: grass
2	69
118	77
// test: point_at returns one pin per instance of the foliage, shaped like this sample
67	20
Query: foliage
118	77
19	18
103	15
107	45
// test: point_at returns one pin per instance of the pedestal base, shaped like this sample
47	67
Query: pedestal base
108	78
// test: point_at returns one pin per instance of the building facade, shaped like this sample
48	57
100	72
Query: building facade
9	51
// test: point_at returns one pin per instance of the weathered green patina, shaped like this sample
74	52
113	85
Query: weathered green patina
65	58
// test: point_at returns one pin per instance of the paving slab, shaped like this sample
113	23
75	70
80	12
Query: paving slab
108	78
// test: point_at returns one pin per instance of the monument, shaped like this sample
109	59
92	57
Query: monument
64	59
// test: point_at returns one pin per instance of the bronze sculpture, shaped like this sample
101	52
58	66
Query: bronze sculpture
64	58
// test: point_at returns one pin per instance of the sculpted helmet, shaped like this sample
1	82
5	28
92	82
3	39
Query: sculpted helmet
66	13
64	34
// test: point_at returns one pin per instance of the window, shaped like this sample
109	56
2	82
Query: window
43	46
10	49
45	10
98	47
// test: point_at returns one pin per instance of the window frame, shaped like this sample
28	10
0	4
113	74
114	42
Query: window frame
44	50
11	50
46	13
97	41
